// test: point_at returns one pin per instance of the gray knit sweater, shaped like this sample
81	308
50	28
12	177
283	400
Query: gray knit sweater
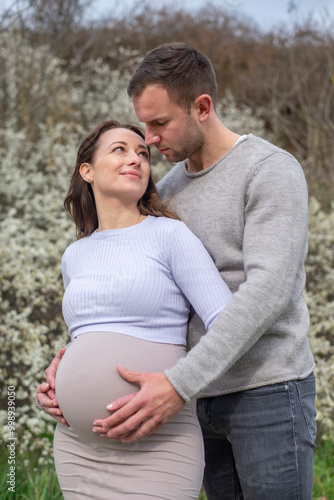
250	211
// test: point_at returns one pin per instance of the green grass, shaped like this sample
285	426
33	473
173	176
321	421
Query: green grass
40	483
31	482
324	471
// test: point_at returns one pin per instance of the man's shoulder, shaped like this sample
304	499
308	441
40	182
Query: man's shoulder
262	148
257	156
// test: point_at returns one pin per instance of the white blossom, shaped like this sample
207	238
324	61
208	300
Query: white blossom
47	110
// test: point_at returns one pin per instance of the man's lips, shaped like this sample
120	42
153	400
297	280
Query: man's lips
131	173
163	151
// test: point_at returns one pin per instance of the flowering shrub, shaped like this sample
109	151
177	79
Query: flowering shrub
319	296
47	109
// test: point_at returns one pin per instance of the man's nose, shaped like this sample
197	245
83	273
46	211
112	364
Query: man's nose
151	138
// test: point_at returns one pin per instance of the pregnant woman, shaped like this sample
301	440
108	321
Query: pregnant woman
129	279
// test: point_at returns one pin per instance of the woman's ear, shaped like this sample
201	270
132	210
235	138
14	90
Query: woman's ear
86	173
204	106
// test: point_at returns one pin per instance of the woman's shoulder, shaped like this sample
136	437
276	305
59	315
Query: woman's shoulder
170	230
168	224
76	246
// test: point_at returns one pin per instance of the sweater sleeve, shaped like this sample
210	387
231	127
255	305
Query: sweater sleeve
196	275
274	249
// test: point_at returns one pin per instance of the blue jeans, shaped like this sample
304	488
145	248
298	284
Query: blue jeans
259	443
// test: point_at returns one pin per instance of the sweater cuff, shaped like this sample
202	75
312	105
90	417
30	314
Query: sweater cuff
176	386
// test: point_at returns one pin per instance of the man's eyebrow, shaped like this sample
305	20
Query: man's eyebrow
156	120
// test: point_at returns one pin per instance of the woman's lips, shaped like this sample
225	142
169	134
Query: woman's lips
132	174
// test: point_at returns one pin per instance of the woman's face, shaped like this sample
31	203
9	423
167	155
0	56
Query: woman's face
120	169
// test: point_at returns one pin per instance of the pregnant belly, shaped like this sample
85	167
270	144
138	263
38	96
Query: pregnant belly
87	378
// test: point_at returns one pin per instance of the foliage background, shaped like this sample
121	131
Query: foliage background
59	77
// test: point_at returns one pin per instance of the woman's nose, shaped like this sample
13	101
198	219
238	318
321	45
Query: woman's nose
134	159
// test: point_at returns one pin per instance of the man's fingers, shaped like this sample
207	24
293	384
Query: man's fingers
102	425
131	424
126	425
119	416
114	419
132	430
129	375
100	430
155	403
119	403
144	430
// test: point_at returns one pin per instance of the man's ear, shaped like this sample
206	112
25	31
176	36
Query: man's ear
86	173
204	106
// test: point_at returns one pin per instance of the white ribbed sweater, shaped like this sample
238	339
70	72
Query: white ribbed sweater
140	281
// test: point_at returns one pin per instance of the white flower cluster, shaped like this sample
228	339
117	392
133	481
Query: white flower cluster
47	109
319	296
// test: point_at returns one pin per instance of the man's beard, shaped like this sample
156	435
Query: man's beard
190	143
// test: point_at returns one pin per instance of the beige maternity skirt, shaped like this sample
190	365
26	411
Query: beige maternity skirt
168	465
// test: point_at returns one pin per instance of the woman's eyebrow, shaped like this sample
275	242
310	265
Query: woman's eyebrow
118	142
140	145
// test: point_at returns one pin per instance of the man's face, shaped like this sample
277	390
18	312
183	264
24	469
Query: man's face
174	132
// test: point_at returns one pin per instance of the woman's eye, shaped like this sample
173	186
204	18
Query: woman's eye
119	148
144	154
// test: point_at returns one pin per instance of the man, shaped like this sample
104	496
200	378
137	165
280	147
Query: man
247	201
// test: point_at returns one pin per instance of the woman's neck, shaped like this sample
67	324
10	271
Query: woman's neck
118	218
116	215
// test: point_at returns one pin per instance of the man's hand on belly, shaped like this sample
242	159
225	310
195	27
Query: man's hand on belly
138	415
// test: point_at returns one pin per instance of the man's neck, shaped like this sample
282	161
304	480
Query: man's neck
220	140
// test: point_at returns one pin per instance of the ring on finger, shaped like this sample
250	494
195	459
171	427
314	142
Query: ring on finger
39	406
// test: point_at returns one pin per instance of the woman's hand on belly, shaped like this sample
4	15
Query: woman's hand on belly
138	415
45	393
51	371
48	402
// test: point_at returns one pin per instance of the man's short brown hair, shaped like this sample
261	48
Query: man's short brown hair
182	70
